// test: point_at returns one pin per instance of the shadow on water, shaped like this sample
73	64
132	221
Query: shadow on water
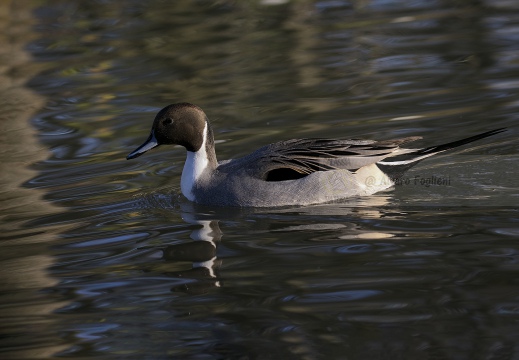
103	258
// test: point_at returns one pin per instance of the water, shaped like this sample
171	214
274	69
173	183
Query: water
102	257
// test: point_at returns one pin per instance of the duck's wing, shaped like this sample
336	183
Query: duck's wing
294	159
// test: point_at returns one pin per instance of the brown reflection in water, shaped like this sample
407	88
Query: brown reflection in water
24	311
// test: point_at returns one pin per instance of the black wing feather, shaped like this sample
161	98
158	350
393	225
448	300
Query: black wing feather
297	158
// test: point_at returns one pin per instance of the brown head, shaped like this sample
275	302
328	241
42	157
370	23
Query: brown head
178	124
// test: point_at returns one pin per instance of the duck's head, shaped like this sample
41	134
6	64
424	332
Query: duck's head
178	124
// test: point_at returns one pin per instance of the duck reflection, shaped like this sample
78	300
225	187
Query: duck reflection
201	252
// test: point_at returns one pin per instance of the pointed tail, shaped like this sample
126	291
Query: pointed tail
439	148
395	168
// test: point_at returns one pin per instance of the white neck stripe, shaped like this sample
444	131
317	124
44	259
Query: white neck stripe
196	163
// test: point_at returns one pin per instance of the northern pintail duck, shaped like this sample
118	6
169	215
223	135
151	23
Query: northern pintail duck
291	172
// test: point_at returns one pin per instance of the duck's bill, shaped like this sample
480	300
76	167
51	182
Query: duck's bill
149	144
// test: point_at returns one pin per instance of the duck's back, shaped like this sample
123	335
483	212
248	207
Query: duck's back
297	158
294	172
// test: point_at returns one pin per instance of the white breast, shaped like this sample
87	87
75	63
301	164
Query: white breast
196	163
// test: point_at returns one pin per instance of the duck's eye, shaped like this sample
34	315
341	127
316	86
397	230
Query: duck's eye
167	121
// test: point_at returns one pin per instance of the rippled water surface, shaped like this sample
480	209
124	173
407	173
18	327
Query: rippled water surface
103	258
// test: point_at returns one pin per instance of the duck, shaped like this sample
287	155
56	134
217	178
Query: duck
287	173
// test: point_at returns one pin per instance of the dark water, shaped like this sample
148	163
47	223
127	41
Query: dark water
102	257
